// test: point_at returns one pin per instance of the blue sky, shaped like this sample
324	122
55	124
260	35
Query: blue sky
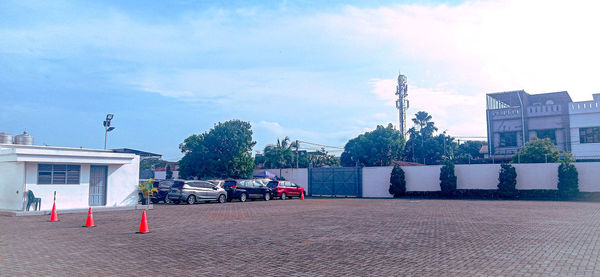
319	71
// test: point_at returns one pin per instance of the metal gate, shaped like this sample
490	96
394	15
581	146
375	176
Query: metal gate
98	185
335	181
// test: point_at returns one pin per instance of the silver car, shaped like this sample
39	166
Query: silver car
195	190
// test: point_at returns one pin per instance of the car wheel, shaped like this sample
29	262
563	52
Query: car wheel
191	199
283	196
222	198
267	196
243	197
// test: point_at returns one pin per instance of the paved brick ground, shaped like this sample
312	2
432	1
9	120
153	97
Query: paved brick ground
327	237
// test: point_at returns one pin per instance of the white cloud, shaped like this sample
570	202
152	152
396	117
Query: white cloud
488	45
460	114
337	60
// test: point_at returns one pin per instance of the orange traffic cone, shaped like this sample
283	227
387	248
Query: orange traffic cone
144	224
53	215
302	196
90	219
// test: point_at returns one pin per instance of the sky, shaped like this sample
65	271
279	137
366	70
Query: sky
316	71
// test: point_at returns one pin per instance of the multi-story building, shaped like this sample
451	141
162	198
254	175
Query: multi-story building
584	120
515	117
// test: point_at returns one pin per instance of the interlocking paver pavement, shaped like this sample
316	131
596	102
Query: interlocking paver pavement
315	237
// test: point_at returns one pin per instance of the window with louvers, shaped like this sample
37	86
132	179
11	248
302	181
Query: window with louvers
589	135
58	174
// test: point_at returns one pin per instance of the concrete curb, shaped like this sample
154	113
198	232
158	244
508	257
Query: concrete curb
73	211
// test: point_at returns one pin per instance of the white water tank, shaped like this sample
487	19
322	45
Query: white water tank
6	138
24	139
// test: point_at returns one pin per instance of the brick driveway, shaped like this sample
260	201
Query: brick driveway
328	237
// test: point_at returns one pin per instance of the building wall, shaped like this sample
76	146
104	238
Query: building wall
122	183
67	196
121	190
584	114
12	191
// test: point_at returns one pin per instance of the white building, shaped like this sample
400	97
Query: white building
80	177
584	119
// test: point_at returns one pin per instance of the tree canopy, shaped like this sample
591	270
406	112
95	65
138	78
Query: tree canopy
376	148
279	155
283	155
224	151
423	146
537	151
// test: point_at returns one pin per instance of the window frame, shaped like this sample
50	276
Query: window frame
547	131
589	137
54	172
502	140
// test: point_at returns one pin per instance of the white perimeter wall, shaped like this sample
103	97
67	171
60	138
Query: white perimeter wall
162	175
121	190
376	180
12	175
298	176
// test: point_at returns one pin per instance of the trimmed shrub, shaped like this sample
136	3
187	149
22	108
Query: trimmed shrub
507	181
568	180
397	182
447	179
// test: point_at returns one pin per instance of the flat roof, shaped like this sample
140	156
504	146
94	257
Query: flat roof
137	152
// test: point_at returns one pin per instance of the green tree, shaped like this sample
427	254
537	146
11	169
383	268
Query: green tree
169	173
423	146
447	179
151	163
397	182
568	180
469	150
507	181
423	124
537	151
224	151
376	148
279	155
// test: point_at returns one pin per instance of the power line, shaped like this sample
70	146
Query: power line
322	145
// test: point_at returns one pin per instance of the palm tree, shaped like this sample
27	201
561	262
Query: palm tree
425	126
279	155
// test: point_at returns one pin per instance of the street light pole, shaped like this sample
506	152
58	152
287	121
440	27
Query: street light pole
107	127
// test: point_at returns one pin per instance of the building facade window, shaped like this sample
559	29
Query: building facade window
589	135
547	134
508	139
58	174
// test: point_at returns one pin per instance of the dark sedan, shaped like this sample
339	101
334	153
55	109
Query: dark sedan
247	189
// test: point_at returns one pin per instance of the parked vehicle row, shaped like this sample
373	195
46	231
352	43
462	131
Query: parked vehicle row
193	191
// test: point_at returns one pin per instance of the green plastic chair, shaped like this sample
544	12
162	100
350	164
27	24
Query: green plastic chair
32	200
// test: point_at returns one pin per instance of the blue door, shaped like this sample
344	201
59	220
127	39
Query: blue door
98	185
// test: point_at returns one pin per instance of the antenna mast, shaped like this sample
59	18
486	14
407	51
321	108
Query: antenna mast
402	103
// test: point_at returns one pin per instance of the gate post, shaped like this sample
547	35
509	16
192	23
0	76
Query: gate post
359	181
333	182
309	173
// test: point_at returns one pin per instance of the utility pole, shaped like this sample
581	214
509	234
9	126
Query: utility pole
402	103
297	153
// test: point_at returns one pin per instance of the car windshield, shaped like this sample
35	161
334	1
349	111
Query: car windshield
177	184
229	184
272	184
